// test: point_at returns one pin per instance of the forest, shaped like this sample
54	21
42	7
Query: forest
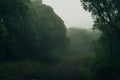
36	45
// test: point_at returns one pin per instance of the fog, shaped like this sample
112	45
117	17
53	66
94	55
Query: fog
36	45
71	12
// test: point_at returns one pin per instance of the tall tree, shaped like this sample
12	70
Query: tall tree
106	15
11	15
34	30
3	41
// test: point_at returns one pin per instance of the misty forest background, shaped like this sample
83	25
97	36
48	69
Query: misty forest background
35	44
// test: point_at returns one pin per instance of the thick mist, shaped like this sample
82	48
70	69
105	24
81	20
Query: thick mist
55	40
71	12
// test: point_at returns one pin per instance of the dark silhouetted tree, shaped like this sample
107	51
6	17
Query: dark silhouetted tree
106	15
34	30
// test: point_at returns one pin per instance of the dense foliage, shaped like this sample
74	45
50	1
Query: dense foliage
35	44
106	14
75	63
33	29
31	35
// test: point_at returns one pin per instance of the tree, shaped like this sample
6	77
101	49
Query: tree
34	30
51	31
11	14
106	15
3	41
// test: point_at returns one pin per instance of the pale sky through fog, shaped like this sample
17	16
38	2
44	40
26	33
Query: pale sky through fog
71	12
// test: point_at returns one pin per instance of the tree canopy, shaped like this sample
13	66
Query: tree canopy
106	15
34	30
